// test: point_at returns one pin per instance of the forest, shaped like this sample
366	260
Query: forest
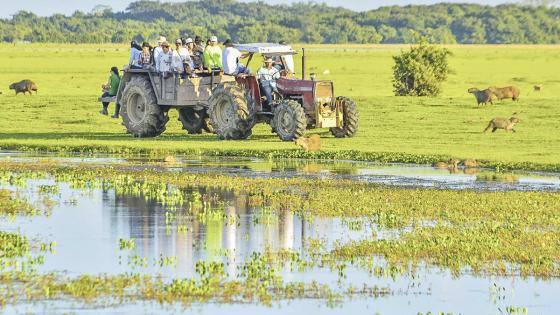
310	22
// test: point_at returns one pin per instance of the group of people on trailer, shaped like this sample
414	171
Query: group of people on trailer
192	58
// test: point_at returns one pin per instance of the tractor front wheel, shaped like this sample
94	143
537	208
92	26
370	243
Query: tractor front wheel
350	121
142	116
289	120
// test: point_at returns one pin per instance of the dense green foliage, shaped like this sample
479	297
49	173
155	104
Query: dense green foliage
300	22
420	70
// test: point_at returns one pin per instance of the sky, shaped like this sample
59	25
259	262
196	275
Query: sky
48	7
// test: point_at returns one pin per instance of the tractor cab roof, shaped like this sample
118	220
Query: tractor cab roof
268	49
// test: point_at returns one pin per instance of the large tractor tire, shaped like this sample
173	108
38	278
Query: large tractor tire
195	121
231	112
289	120
142	116
350	124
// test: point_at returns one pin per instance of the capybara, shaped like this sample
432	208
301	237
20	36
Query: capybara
482	97
311	144
24	86
452	163
470	163
537	88
502	123
505	92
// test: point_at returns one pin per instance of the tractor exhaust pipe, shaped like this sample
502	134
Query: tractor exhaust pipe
303	64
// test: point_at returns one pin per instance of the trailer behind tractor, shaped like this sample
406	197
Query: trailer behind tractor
230	106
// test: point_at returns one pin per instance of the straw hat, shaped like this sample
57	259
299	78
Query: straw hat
161	40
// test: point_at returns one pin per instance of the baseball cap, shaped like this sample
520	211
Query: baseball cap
213	39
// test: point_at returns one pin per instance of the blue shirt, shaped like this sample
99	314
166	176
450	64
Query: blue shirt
134	57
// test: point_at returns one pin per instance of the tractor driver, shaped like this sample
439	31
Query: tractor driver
267	76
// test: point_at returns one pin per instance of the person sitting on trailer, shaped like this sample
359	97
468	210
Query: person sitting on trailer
135	52
146	56
230	60
212	55
110	90
169	61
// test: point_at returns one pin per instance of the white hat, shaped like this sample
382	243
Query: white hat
213	39
178	41
188	41
161	39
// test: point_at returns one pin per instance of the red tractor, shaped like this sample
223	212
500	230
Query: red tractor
230	106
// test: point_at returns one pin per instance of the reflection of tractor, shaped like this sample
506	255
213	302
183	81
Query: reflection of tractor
231	106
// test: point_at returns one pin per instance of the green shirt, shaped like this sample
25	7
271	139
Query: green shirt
114	82
212	57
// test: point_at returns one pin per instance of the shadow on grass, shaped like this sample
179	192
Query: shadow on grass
108	136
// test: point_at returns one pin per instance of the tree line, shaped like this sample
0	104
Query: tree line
443	23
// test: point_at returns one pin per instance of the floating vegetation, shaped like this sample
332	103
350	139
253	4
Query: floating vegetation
127	244
12	204
13	245
258	284
484	233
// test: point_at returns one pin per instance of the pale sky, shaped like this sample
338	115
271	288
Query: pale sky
48	7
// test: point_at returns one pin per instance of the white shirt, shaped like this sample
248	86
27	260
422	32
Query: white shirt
183	53
268	75
169	62
230	58
157	51
185	56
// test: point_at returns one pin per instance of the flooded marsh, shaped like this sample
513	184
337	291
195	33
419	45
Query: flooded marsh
81	235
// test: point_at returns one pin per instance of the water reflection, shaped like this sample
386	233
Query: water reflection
88	236
229	234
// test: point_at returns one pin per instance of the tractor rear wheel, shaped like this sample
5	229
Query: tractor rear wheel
141	114
289	120
194	121
231	112
350	122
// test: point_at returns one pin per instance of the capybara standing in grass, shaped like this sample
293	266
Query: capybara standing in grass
505	92
482	97
24	86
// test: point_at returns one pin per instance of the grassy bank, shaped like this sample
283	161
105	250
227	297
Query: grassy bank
64	115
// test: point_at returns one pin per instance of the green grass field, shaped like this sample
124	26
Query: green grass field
64	115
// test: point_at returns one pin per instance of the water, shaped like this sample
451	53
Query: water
407	175
88	225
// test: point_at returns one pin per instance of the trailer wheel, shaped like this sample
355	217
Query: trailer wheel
231	112
195	121
142	116
350	121
289	120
